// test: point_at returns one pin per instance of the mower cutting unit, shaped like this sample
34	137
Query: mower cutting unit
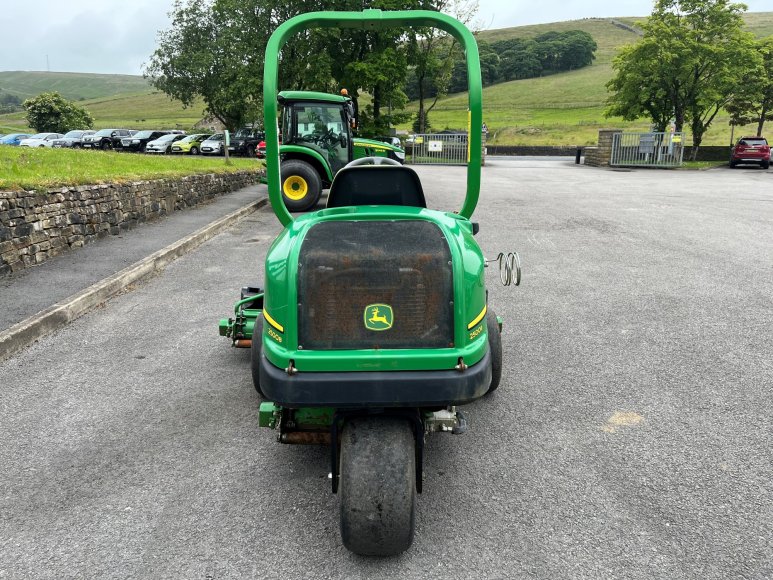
373	326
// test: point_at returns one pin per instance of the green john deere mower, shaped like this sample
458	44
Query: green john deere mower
373	325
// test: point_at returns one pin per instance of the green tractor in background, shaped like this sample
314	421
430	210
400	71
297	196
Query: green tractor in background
317	142
374	325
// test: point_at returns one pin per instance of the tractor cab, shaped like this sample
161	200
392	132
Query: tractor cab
318	143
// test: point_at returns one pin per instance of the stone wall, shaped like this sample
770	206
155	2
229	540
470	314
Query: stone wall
601	155
38	225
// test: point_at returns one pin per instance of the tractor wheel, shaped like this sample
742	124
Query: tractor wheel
495	346
301	186
378	485
255	351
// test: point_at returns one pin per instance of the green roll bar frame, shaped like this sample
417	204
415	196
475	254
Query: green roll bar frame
370	20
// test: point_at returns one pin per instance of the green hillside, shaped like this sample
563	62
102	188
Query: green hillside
565	108
73	86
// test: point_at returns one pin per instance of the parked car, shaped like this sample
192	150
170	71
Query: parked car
106	139
213	145
163	144
14	139
139	141
40	140
245	142
751	150
191	144
72	139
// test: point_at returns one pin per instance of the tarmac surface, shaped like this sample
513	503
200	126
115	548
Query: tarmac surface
630	437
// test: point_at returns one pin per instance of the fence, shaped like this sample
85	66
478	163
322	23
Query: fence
438	149
647	149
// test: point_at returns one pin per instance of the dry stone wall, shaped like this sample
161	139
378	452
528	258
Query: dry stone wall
38	225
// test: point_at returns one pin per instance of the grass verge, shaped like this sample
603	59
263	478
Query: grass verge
43	168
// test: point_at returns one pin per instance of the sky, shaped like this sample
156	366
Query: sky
118	36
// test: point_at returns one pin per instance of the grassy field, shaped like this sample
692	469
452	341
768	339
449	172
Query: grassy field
73	86
24	168
149	110
566	108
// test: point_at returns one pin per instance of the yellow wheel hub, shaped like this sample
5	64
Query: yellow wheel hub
295	187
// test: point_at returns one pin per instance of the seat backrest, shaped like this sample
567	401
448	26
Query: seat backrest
376	185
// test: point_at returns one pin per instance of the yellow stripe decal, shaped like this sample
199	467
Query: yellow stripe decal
273	322
478	318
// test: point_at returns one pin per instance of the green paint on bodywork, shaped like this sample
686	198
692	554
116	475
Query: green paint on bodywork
469	290
370	148
268	415
311	96
306	151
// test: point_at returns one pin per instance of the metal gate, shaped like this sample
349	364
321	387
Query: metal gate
439	149
647	149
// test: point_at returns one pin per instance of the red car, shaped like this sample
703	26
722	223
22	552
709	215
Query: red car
751	150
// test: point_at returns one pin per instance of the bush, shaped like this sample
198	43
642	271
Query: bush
50	112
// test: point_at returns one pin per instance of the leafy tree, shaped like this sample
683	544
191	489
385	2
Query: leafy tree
50	112
432	53
215	51
688	65
9	103
753	102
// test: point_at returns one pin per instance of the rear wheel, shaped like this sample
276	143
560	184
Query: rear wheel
765	164
105	145
255	353
378	485
733	163
301	186
495	346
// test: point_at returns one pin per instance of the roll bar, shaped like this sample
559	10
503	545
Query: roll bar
370	20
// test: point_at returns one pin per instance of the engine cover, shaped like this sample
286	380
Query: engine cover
375	285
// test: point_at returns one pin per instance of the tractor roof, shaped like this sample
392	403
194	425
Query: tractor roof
311	96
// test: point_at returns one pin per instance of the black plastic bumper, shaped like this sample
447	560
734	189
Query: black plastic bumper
375	389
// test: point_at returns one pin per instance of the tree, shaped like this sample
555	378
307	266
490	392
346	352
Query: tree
432	53
215	51
50	112
753	102
688	65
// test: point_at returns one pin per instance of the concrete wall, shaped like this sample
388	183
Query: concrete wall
36	226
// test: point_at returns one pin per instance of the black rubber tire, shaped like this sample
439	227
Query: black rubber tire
249	151
378	485
255	353
194	150
733	164
309	174
765	164
495	346
105	145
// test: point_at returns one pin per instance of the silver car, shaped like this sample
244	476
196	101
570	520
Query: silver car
213	145
163	144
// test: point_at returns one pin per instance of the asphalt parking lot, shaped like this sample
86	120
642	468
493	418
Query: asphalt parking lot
630	438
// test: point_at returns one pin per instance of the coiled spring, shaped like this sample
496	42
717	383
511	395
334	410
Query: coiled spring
509	268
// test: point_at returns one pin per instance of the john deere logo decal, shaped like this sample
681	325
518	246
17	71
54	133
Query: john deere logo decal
378	317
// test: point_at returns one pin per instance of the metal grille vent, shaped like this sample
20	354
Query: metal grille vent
344	267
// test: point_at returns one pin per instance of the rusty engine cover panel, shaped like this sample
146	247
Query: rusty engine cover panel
344	267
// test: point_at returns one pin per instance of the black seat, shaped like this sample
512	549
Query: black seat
376	185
